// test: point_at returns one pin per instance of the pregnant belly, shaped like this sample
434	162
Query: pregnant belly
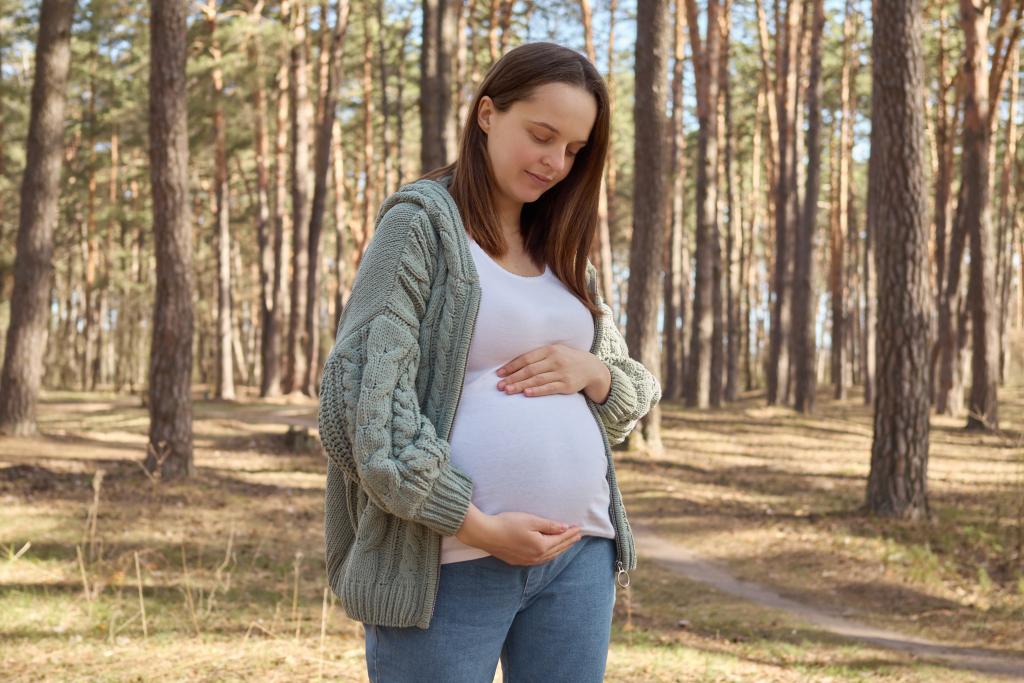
538	454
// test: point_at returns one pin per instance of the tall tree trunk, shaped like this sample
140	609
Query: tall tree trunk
600	245
677	280
400	106
952	337
302	115
90	244
1007	224
467	60
385	170
706	65
170	370
797	178
716	388
750	238
785	94
437	142
324	133
225	341
273	320
369	199
803	290
945	135
982	412
841	375
40	190
647	246
341	258
731	266
611	169
897	483
269	381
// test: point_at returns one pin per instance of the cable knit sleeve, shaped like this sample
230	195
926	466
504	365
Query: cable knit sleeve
370	421
634	389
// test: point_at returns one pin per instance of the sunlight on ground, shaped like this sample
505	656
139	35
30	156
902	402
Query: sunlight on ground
231	564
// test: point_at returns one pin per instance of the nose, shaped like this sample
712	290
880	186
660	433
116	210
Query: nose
556	166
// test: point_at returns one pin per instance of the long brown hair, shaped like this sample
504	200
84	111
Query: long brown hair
558	229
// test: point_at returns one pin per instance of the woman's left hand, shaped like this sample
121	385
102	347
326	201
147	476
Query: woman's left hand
555	369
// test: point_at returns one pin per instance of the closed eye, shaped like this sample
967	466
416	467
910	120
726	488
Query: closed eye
544	142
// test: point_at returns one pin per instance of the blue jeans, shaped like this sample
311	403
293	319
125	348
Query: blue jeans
547	622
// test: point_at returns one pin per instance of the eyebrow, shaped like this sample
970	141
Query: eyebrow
555	130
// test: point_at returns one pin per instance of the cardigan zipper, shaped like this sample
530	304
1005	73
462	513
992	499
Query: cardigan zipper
621	575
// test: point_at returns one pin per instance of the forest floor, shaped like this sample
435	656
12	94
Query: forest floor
755	563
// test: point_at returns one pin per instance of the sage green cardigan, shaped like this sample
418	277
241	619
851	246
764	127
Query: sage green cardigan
388	395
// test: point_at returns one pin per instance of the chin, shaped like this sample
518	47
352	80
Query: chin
529	194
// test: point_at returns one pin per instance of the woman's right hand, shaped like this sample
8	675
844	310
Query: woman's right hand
517	538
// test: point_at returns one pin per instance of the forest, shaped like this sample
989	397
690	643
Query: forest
810	229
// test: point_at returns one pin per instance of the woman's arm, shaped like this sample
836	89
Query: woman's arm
370	420
633	389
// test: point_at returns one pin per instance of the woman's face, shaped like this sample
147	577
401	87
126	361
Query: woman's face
532	145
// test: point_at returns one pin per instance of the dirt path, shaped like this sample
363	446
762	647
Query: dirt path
695	568
684	562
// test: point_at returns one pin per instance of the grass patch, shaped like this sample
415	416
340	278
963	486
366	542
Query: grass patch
232	572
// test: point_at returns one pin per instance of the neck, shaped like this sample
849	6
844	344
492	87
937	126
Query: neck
508	211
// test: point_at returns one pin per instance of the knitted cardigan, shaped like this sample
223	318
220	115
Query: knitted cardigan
388	395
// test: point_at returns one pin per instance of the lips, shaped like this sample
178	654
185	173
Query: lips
540	179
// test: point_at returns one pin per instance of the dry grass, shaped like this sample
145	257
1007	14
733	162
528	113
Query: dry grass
776	497
226	595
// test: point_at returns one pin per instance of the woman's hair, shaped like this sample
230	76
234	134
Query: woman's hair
558	229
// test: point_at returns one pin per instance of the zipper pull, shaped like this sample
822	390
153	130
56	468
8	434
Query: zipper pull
622	572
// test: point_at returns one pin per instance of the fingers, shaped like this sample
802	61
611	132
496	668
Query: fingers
550	526
561	546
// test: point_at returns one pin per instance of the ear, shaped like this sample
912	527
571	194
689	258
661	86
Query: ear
484	113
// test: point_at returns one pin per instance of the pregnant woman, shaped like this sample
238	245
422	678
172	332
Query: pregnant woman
474	391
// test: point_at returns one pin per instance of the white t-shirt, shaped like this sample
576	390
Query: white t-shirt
538	454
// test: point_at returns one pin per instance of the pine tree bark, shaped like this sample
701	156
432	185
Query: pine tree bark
945	135
734	212
170	369
647	245
897	483
677	281
982	408
302	181
436	123
717	386
272	382
750	239
706	65
369	198
40	191
269	381
605	262
90	246
324	134
803	292
385	170
401	172
601	244
225	335
1007	224
840	361
341	257
785	94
